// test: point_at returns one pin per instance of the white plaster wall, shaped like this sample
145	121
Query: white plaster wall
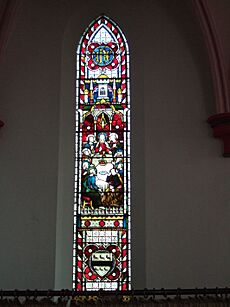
29	91
180	186
187	190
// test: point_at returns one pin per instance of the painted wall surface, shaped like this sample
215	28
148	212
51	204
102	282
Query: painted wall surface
29	89
180	195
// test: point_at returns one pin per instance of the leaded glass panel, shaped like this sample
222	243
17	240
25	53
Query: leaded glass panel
101	256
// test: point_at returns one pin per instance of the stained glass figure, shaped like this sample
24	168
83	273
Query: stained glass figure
101	250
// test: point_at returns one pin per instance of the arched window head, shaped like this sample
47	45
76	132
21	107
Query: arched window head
101	249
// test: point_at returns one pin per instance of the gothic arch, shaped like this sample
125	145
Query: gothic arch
101	248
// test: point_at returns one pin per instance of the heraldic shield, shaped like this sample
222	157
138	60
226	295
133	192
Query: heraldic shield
102	262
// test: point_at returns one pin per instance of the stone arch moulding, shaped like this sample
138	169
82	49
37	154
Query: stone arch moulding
220	122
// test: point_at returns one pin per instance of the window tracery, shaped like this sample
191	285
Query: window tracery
101	250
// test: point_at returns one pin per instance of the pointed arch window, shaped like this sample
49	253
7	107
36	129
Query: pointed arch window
101	249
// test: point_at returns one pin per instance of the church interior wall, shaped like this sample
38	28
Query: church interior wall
180	192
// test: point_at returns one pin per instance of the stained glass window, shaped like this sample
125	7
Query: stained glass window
101	249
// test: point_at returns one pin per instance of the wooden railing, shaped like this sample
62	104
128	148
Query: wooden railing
199	297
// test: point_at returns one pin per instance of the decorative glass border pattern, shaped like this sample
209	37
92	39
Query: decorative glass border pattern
101	248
